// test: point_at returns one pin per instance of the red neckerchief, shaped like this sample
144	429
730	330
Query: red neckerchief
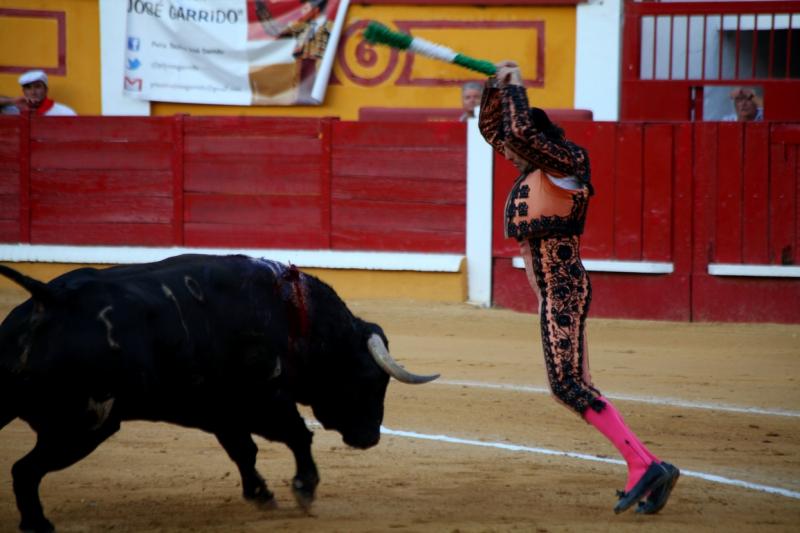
47	105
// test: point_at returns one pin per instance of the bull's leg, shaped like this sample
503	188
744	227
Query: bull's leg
242	450
7	412
54	450
306	478
287	426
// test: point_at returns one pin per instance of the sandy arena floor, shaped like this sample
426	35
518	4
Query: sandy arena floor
720	401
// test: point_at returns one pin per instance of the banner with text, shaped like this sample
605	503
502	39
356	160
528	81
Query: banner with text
235	52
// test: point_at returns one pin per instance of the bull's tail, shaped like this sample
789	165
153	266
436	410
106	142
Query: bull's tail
40	291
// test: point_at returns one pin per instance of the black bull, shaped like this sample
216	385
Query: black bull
229	345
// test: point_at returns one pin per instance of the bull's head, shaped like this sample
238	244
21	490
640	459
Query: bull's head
350	398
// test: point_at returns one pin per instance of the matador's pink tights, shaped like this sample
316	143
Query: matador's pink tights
609	422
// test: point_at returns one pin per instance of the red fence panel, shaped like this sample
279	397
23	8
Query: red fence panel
398	186
101	180
10	162
755	194
598	239
691	195
747	203
259	179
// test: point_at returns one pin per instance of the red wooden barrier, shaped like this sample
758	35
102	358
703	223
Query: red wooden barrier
97	180
399	186
747	207
688	195
11	139
256	182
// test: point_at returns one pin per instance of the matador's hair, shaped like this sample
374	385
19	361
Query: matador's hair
543	123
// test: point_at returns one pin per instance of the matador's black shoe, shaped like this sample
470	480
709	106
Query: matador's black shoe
654	477
658	498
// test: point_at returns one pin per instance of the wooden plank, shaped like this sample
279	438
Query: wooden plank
129	234
100	208
178	160
24	180
731	299
401	162
796	258
785	133
115	182
599	138
405	134
9	182
326	178
10	165
432	191
755	193
9	206
253	236
9	149
705	180
391	216
783	203
253	176
728	208
9	128
682	209
101	129
9	230
101	155
628	193
400	240
274	212
254	146
657	194
280	127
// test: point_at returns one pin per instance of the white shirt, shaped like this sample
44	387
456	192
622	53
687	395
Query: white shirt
60	110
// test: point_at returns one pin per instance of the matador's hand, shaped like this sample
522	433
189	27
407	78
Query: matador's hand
508	73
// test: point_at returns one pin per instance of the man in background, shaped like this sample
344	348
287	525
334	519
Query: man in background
34	98
746	104
470	99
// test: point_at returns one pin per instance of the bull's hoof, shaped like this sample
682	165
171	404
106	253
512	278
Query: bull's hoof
262	497
39	526
304	494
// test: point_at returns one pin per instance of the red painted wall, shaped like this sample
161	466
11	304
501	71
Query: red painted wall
685	193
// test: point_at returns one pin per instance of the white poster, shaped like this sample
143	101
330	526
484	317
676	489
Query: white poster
236	52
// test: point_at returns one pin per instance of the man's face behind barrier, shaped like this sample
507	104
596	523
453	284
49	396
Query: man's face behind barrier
35	93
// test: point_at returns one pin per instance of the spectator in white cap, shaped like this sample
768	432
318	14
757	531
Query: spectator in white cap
34	98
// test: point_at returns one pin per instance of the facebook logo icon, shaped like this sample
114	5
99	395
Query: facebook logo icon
133	44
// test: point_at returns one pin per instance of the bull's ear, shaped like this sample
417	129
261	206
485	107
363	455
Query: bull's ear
40	291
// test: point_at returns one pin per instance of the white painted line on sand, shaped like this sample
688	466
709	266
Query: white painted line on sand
676	402
586	457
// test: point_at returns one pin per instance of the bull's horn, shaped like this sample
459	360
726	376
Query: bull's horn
381	354
40	291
